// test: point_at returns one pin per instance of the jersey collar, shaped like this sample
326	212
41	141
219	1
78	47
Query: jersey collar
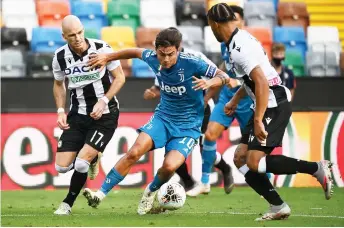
76	56
231	38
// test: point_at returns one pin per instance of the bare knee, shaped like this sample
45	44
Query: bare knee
167	170
240	155
133	154
253	159
211	135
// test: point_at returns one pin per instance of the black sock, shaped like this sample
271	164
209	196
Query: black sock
182	171
223	166
76	183
279	164
261	184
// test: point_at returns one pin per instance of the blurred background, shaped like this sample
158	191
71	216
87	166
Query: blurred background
311	31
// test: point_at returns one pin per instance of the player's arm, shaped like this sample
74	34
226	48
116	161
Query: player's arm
152	93
59	91
115	69
241	93
101	59
261	87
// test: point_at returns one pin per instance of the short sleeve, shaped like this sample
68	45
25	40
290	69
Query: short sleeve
113	64
244	61
205	69
58	73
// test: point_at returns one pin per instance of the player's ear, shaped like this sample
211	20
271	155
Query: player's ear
64	36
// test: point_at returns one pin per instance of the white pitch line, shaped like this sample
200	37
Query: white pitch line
211	212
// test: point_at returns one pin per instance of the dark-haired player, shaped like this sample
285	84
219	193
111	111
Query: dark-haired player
189	184
176	123
265	130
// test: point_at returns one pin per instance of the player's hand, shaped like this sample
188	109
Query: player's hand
97	60
98	109
149	94
200	83
62	121
259	131
230	108
232	83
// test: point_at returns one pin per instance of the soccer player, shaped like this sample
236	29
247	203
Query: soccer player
219	121
272	105
182	171
93	114
176	123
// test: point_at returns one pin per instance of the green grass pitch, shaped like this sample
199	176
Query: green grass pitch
309	208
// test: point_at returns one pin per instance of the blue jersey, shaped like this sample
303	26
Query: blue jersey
227	93
180	104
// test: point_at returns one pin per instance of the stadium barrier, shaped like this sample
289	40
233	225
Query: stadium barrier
29	142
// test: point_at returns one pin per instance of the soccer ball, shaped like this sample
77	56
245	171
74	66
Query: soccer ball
171	196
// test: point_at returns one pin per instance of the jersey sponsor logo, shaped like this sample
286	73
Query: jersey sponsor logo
78	70
88	77
173	89
275	81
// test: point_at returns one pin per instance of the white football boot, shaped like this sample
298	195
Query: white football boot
64	209
147	201
276	213
323	175
93	198
94	168
199	188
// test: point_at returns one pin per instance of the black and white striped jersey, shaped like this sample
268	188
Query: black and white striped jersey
86	86
246	53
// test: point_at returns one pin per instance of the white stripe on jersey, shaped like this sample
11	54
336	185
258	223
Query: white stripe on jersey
82	102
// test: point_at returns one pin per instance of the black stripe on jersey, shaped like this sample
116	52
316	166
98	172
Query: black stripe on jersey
106	85
280	94
61	59
74	101
98	45
249	83
279	91
90	97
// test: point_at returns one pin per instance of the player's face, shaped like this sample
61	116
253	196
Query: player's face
75	37
167	56
239	22
216	30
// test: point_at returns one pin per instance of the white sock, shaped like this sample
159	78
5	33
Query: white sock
262	165
244	169
218	158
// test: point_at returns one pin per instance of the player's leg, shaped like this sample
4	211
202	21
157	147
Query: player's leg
182	171
153	135
69	144
178	149
186	178
275	122
97	137
218	122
